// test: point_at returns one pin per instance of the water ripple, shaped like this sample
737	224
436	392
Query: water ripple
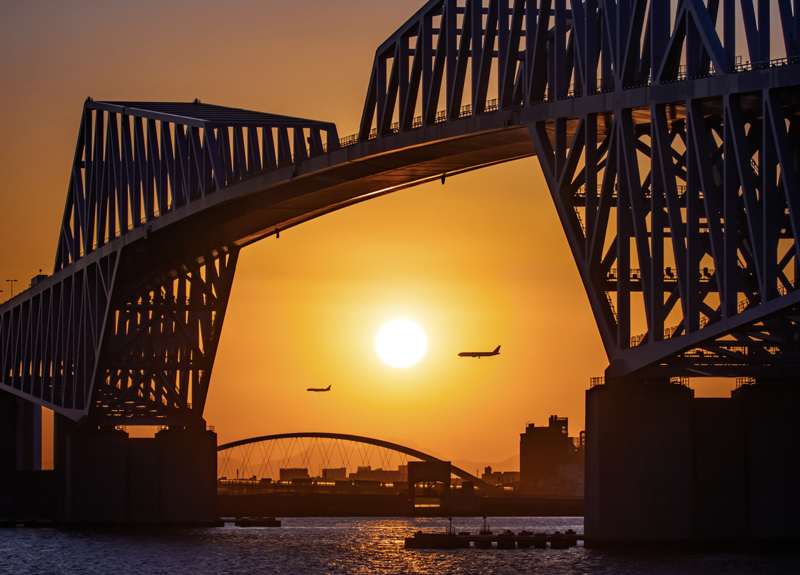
333	546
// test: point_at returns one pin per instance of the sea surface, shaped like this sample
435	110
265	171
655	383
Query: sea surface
344	545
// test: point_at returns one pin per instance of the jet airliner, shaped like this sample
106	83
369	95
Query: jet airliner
480	354
319	388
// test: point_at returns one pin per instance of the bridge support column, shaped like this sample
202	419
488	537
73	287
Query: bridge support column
638	463
771	459
20	457
109	477
187	460
22	433
662	466
97	475
29	435
8	454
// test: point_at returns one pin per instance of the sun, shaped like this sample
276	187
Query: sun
401	343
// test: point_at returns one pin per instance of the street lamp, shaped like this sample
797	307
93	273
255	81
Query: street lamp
11	282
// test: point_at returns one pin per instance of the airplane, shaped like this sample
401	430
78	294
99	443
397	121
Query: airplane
319	388
480	354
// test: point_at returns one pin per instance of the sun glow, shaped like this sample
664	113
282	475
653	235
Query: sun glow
401	343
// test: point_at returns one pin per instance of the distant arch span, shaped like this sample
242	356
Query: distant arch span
457	471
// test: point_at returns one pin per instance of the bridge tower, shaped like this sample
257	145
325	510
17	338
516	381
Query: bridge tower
125	331
667	135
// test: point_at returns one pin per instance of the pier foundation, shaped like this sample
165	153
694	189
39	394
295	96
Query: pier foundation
110	477
25	490
664	466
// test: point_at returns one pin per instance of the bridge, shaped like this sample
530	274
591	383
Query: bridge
329	449
666	132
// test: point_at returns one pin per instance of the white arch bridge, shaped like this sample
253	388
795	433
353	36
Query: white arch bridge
668	134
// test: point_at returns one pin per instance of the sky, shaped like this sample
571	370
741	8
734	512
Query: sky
477	262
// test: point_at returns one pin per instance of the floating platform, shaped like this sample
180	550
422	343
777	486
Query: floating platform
489	540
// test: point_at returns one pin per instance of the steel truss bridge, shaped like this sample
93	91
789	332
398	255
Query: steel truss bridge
265	456
668	134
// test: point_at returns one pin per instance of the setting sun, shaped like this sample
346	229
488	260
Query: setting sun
401	343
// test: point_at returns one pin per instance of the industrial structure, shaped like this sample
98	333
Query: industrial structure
667	133
550	461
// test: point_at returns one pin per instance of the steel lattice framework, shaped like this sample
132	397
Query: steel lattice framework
330	449
673	166
137	343
136	161
667	133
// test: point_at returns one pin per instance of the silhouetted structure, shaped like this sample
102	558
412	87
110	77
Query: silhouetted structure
429	487
287	474
346	444
549	460
664	464
669	152
501	478
399	475
336	474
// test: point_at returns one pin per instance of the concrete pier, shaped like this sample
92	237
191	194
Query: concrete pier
772	460
638	463
25	490
110	477
8	454
663	466
103	475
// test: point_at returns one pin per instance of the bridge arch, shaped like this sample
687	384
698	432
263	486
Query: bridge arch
457	471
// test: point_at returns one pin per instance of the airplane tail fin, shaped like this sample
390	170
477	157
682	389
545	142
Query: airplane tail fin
328	388
497	349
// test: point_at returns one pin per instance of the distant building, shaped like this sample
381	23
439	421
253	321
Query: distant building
549	459
336	474
290	473
504	478
366	473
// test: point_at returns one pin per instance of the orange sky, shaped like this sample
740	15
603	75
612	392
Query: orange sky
478	262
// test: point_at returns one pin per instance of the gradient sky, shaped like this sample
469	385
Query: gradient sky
477	262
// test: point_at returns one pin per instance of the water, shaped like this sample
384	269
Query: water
344	545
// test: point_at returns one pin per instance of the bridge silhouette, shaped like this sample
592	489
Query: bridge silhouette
667	137
328	454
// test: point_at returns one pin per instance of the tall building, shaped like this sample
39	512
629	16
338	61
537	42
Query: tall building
543	449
